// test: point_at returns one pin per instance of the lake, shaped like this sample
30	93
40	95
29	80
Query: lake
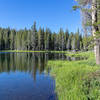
25	76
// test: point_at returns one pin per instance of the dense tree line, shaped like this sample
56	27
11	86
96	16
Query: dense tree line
33	39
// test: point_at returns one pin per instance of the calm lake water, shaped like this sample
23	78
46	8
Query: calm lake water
25	76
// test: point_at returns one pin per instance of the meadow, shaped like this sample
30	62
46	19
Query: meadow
76	80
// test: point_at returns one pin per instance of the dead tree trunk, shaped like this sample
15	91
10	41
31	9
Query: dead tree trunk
97	51
94	30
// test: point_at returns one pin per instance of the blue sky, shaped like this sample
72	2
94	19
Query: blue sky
47	13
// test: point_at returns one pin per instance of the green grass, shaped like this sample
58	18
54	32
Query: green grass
80	54
75	80
22	51
19	51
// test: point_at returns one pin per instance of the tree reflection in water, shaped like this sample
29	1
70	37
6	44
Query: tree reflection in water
28	62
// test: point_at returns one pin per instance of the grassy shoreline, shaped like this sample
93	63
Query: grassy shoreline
25	51
75	80
20	51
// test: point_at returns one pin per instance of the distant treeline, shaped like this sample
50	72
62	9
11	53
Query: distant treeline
33	39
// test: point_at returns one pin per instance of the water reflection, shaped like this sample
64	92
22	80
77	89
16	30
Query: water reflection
25	76
22	77
29	62
23	62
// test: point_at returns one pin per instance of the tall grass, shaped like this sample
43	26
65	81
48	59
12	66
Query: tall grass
72	78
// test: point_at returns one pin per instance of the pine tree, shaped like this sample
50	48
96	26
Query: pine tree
12	39
34	39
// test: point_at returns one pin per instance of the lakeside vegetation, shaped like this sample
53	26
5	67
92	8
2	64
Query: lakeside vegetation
88	54
19	51
77	80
